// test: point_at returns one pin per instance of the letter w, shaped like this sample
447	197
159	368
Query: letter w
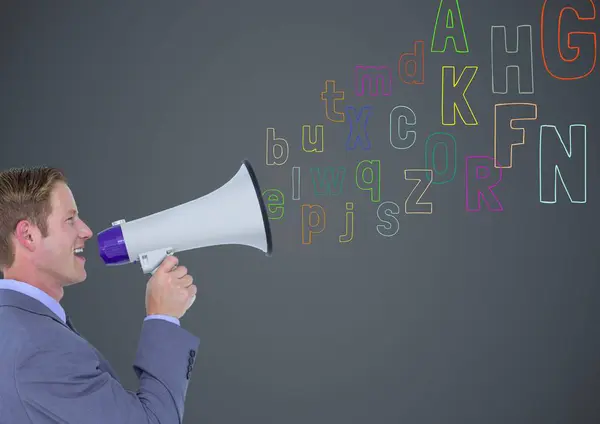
324	179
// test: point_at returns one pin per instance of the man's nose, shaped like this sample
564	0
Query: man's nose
86	231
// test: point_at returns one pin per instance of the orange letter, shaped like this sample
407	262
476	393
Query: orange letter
308	225
417	74
558	37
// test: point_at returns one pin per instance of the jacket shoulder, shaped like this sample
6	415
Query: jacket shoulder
21	329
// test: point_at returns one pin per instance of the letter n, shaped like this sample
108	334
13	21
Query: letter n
567	163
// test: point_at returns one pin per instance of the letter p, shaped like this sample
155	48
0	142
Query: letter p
313	222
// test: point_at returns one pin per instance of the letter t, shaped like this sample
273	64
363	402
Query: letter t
330	96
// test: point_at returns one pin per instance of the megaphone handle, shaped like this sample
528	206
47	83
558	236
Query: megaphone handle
150	261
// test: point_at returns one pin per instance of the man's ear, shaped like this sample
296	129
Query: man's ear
27	234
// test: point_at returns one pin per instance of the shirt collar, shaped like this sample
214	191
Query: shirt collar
35	293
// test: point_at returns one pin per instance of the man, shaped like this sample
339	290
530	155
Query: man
48	372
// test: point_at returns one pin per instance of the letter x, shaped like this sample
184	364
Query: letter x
355	120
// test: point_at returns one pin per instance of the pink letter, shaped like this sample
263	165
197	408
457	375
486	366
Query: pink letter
482	176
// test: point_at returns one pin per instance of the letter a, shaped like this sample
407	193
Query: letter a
451	31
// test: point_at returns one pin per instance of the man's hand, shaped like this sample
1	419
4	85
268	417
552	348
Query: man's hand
170	290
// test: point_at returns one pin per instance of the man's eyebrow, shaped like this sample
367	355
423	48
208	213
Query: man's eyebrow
72	211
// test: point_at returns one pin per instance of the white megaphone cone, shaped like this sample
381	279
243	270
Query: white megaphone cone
233	214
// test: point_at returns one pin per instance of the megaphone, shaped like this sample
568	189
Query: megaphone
233	214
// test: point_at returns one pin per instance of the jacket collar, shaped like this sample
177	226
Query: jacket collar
27	303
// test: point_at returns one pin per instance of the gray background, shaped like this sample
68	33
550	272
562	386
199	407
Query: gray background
463	318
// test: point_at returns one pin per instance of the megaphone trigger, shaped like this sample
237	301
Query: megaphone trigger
150	261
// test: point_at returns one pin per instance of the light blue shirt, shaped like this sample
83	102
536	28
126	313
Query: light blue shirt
52	304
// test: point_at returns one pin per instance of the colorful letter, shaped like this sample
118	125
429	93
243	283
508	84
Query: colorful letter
450	108
371	183
349	234
554	38
431	147
272	143
397	139
316	145
296	183
501	57
355	119
389	209
482	185
414	175
382	76
313	222
330	96
416	75
274	200
322	182
549	169
452	31
512	112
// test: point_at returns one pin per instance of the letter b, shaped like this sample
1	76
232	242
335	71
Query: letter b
277	149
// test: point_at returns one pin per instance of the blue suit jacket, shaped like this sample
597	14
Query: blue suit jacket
49	374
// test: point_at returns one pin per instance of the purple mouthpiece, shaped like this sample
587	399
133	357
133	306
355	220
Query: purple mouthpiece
111	244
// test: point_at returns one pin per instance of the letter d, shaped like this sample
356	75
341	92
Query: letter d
411	66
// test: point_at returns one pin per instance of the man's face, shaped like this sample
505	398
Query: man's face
55	256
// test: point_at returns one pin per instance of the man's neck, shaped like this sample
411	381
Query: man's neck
53	290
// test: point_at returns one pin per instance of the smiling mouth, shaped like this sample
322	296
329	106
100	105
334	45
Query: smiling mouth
78	252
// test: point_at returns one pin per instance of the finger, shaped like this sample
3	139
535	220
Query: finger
192	290
180	271
168	264
184	282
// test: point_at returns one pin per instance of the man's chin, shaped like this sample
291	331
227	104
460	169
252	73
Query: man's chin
78	276
81	277
73	281
80	272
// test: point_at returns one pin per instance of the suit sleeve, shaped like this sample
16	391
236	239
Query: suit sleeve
62	382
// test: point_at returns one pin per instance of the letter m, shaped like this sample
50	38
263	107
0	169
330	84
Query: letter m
378	78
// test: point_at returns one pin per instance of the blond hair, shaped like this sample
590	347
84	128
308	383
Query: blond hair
24	194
